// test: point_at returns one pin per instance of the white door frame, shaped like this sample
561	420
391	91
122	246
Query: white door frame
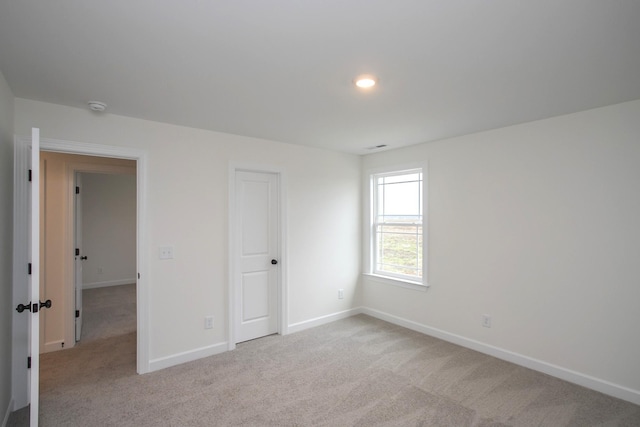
283	308
20	167
76	218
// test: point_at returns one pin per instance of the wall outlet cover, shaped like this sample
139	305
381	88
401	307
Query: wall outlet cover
486	320
208	322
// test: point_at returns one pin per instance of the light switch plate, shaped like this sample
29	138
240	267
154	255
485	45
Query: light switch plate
166	252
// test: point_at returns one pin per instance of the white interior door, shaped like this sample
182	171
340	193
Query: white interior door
79	255
257	272
34	277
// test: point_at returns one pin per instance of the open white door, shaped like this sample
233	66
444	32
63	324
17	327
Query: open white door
257	278
79	257
34	278
26	273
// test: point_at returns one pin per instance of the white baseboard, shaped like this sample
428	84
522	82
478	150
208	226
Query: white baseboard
108	283
584	380
7	413
52	346
322	320
596	384
187	356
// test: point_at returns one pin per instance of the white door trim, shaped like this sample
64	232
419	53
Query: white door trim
75	218
34	281
283	308
140	156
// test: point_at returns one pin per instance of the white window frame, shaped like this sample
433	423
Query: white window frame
369	234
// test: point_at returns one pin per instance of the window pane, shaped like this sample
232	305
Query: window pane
400	250
401	200
397	229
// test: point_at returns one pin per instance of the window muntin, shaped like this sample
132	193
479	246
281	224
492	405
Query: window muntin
397	231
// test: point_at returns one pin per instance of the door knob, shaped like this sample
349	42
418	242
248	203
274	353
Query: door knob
83	258
33	307
22	307
274	261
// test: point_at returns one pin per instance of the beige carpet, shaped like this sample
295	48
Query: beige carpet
108	312
355	372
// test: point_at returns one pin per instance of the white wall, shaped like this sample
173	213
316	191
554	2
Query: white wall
187	205
108	229
536	225
6	243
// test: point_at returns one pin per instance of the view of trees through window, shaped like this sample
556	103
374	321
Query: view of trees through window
397	226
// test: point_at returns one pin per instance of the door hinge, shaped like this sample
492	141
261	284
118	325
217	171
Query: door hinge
29	268
30	175
29	362
77	251
77	313
77	190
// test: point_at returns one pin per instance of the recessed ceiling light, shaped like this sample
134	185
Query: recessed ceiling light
365	81
97	106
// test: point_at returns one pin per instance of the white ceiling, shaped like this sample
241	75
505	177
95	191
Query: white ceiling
283	69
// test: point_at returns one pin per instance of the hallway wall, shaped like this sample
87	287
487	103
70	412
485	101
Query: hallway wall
6	243
108	229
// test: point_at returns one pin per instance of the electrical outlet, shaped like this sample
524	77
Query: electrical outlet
166	252
208	322
340	293
486	320
100	270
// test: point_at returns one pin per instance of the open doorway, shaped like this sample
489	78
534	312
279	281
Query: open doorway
100	218
65	301
105	255
100	214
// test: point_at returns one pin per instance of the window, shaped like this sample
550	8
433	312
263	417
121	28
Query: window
397	225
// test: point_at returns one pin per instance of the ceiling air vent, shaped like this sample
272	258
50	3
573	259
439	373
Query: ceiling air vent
377	147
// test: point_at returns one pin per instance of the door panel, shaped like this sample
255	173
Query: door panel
256	231
255	296
256	211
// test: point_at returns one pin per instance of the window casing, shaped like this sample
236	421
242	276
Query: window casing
397	232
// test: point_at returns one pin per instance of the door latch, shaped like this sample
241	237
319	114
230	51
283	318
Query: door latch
33	308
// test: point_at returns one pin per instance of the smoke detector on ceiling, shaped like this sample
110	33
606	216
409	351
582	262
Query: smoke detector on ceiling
97	106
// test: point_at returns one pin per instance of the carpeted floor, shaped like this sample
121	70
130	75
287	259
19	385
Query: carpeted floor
354	372
108	312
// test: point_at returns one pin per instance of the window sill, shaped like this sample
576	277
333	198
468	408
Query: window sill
396	282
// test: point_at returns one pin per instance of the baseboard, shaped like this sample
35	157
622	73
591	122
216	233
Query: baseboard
312	323
108	283
596	384
52	346
7	413
187	356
